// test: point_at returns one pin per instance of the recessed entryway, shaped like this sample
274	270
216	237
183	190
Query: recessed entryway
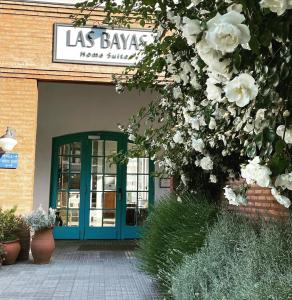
96	198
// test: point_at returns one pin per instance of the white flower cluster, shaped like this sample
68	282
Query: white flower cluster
39	219
223	101
230	93
234	199
277	6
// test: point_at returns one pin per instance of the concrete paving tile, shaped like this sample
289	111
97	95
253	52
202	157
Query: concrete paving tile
78	274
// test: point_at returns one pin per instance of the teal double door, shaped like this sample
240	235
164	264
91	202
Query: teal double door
94	197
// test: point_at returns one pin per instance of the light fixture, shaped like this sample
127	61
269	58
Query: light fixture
8	140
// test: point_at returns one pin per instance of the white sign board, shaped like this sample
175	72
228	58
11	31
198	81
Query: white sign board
101	46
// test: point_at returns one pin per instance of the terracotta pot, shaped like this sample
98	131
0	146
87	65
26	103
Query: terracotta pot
42	246
12	249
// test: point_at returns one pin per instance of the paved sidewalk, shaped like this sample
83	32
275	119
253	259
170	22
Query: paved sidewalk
79	270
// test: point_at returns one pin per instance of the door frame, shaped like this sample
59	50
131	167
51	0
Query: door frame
122	230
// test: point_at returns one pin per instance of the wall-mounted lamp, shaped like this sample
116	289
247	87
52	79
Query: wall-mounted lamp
8	140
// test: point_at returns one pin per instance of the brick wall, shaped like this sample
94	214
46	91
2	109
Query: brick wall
260	203
18	109
26	49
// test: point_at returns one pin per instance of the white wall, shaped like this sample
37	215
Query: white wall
66	108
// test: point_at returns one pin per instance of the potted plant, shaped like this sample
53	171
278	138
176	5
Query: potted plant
8	238
42	244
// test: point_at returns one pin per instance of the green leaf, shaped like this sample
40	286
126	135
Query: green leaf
251	150
278	164
259	140
254	45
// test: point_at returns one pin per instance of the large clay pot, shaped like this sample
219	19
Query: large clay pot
12	249
42	246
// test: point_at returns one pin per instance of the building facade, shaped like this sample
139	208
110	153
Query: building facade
56	91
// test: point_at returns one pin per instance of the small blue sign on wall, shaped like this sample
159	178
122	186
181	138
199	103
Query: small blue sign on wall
8	160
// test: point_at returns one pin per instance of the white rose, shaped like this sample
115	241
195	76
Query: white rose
194	3
284	181
236	7
132	137
212	123
184	179
195	123
225	32
198	145
213	178
212	58
177	93
241	90
241	200
276	6
253	172
206	163
177	138
194	82
281	199
191	104
190	29
288	133
230	196
213	92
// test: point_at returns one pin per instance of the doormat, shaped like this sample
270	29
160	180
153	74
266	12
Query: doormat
108	245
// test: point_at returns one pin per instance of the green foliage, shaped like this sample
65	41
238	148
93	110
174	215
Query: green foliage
173	229
241	260
2	252
9	223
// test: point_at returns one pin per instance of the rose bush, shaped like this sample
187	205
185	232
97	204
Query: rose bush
224	108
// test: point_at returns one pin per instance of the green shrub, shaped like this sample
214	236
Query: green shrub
241	260
173	229
8	224
2	252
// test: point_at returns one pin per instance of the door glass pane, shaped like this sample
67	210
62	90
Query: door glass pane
95	218
137	191
75	148
64	150
109	200
143	166
143	182
104	181
109	218
96	182
132	166
64	164
97	165
143	199
132	198
62	200
130	216
61	217
109	183
132	183
110	148
74	182
96	200
75	164
73	217
69	176
97	148
74	200
110	167
63	181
